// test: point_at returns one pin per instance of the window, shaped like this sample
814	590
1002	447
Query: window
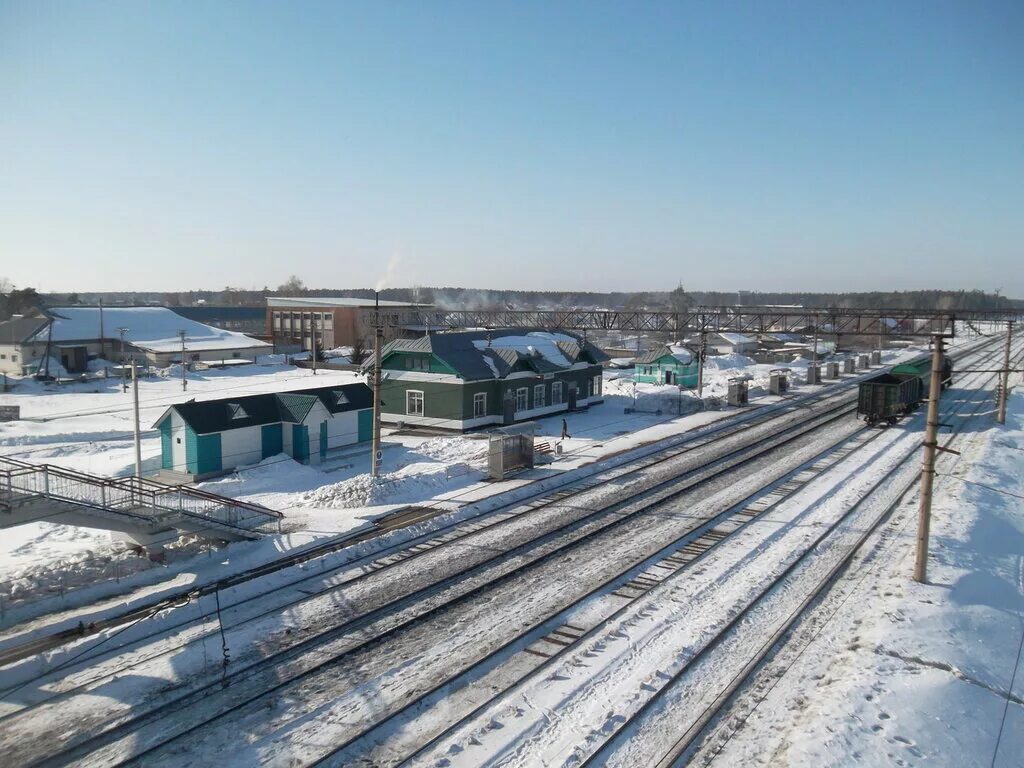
521	404
14	358
416	363
3	357
538	396
328	319
413	403
479	405
236	411
556	393
595	389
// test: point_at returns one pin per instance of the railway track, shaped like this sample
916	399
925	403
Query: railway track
569	631
657	494
408	607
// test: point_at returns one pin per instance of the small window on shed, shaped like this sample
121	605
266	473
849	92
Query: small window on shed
340	398
236	411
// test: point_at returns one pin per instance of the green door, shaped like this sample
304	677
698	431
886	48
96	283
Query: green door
365	425
300	443
166	445
323	439
273	440
209	456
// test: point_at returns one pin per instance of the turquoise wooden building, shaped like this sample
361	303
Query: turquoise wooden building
667	365
207	438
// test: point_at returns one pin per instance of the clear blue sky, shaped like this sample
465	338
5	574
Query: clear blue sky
556	145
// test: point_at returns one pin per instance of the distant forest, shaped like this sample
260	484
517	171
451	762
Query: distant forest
488	298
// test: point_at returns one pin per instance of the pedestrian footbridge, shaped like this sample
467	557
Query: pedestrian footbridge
145	511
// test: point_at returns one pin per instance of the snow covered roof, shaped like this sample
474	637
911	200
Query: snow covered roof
153	329
680	354
18	329
207	416
737	338
494	354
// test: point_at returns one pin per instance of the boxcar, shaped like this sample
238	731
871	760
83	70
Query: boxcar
888	397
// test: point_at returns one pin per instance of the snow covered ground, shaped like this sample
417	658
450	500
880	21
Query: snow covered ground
88	427
918	674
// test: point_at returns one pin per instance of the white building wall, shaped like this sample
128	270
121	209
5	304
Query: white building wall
178	443
11	359
342	429
241	446
316	416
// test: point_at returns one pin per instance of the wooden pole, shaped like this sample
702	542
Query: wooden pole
1004	386
931	435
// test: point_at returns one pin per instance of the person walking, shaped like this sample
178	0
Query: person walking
565	430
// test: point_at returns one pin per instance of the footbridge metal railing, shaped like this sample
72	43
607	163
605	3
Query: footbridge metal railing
134	497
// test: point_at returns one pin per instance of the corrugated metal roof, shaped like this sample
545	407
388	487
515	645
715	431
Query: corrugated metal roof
208	416
472	361
19	329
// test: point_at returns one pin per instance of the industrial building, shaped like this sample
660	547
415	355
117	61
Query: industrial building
335	321
67	338
210	437
667	365
248	320
470	379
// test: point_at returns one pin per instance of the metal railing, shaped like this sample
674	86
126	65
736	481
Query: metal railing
136	497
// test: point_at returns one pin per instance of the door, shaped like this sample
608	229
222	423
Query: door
668	377
572	396
365	425
300	443
323	440
509	411
273	440
209	454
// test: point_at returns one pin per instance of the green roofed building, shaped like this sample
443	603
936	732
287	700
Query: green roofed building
471	379
210	437
667	365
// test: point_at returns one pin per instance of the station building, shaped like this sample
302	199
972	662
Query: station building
469	379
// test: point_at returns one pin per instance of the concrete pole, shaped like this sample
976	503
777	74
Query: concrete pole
701	354
931	436
814	347
312	337
124	372
1004	387
184	381
138	437
378	342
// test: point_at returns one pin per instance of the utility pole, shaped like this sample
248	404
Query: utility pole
124	372
378	341
138	438
184	365
931	438
814	348
701	354
312	336
1004	386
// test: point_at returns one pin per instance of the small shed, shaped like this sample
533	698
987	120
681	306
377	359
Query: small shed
211	437
731	343
668	365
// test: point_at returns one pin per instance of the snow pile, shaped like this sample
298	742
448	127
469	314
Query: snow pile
726	362
450	450
412	483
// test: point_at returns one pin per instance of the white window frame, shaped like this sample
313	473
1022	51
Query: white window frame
479	405
522	396
556	393
410	400
538	402
596	386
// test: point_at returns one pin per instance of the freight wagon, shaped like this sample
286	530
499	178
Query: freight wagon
890	396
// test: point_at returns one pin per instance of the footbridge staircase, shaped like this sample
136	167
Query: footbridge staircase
145	511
